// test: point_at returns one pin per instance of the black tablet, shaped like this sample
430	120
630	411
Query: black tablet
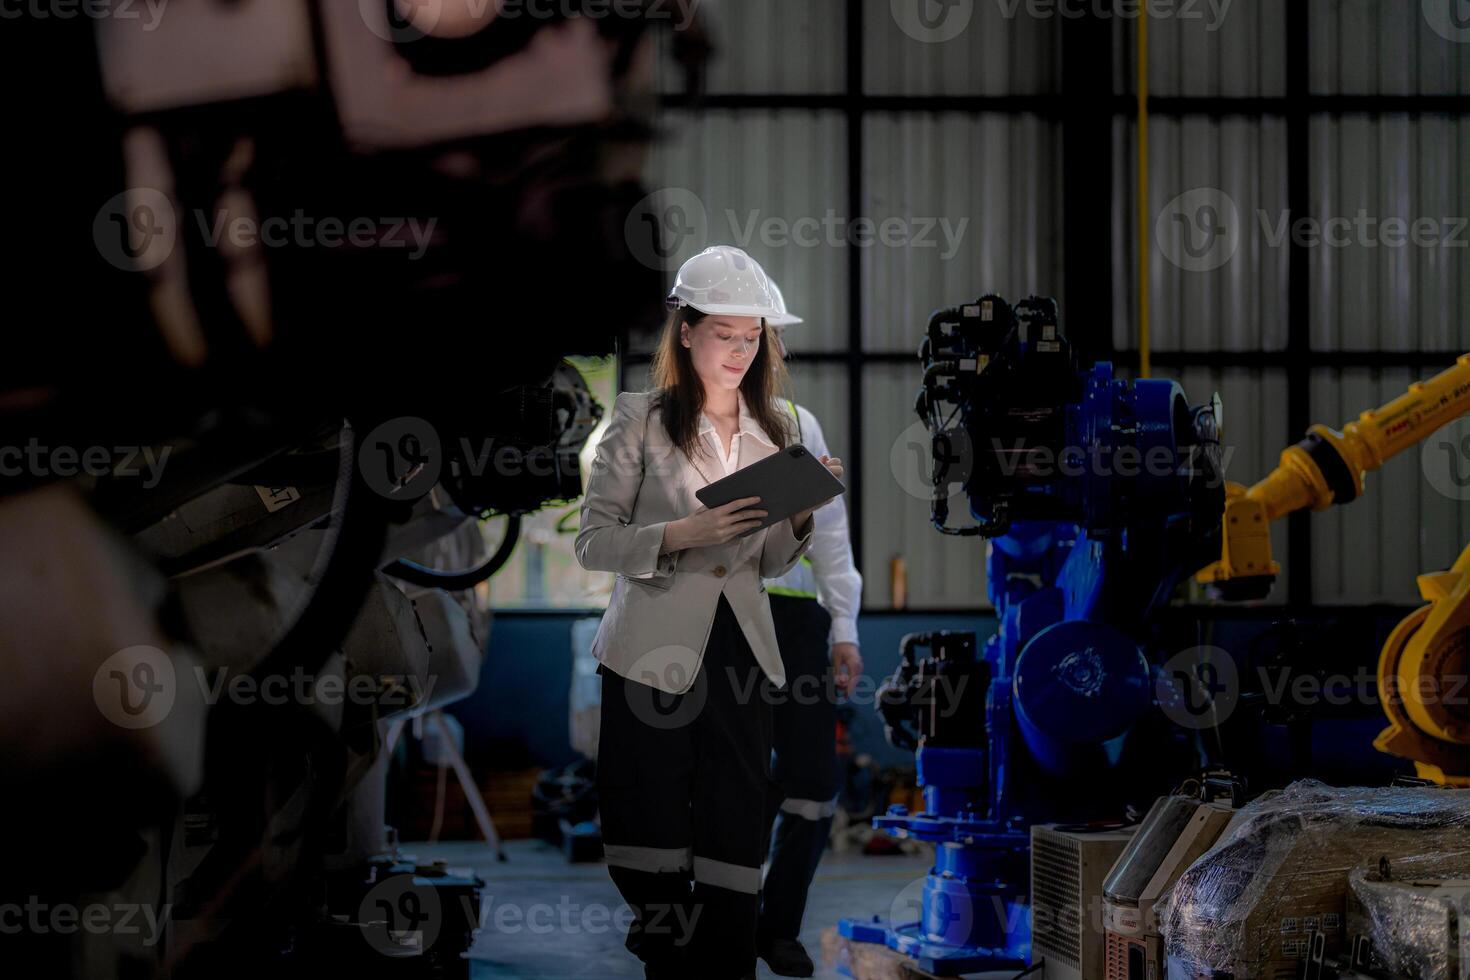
788	481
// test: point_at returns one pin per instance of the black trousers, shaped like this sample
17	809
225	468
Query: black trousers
683	782
805	768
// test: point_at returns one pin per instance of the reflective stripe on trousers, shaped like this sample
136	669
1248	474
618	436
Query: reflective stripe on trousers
810	809
654	860
732	877
708	871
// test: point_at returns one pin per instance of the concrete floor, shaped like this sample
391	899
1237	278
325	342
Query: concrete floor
544	918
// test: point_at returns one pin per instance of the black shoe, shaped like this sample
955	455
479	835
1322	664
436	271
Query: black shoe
787	958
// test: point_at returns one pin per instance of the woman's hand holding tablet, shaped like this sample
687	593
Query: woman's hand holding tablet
788	484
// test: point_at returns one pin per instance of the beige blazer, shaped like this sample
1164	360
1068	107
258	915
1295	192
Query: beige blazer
659	617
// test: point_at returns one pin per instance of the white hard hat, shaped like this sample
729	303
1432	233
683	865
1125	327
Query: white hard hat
783	317
723	279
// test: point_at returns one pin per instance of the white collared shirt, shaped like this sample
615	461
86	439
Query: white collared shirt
748	427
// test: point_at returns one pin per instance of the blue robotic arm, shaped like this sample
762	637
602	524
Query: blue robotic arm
1097	496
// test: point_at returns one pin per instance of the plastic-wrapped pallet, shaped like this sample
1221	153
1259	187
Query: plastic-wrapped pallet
1414	911
1247	907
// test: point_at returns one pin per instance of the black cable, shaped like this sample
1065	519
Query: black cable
1030	969
351	546
432	578
561	527
952	413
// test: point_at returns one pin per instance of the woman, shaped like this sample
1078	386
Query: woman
687	646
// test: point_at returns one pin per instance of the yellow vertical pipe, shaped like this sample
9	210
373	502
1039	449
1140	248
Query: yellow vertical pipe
1145	368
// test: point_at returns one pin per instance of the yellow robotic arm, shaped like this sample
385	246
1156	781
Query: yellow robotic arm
1422	680
1425	664
1326	468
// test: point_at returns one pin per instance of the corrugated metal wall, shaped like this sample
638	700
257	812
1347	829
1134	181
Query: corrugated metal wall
990	184
1389	47
770	46
1210	48
985	190
1369	295
941	570
1217	193
822	388
979	47
1359	47
775	184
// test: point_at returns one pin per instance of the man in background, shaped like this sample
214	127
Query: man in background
815	608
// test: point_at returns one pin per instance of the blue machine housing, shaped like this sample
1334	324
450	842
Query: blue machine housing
1096	502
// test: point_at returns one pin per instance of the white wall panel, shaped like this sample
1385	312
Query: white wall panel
767	47
822	388
1389	47
1231	48
1368	295
772	183
974	47
993	181
943	571
1222	181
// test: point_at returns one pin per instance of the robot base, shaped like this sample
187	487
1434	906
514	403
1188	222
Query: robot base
973	916
940	959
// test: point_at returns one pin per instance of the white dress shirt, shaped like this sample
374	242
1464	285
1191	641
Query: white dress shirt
729	462
831	575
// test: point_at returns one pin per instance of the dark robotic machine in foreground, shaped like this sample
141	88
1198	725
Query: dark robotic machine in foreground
316	260
1098	496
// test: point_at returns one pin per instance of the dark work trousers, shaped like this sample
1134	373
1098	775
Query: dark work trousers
683	782
805	769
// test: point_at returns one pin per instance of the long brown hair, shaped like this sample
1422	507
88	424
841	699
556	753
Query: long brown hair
680	396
